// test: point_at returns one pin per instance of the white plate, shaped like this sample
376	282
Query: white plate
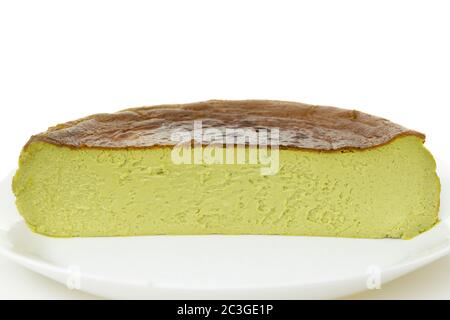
220	267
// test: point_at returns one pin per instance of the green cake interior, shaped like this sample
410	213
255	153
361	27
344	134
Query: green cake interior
388	191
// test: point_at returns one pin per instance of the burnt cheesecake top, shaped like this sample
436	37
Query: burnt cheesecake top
301	126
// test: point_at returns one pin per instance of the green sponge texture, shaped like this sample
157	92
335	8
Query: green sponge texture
389	191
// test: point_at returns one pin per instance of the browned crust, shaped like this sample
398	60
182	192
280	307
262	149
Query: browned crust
301	126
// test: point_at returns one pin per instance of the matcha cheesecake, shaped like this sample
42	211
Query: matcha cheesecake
228	167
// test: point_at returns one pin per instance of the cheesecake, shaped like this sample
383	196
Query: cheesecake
253	167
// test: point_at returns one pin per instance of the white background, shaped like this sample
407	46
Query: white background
61	60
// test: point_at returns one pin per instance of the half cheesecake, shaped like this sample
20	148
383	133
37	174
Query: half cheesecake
324	172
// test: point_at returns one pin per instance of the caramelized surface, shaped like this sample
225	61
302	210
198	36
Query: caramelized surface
301	126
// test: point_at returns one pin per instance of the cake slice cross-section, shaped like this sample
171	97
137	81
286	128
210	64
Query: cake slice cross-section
332	172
